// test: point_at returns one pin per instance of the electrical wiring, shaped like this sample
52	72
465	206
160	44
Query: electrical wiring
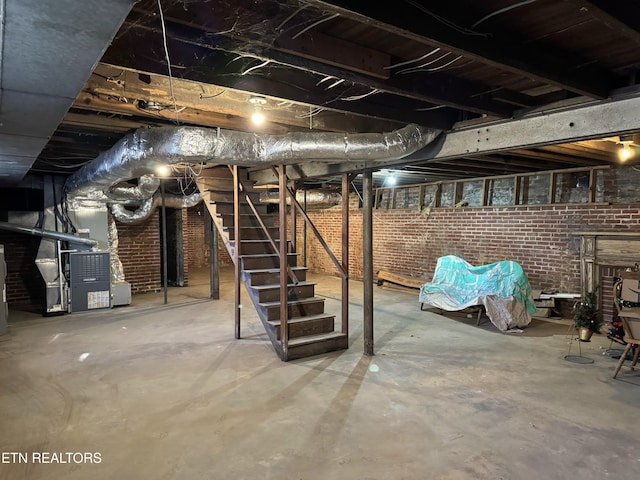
444	21
502	10
315	24
166	52
312	112
441	67
360	97
255	67
337	82
325	79
402	64
205	97
282	24
412	69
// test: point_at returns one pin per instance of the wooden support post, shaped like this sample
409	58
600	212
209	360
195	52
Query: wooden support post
284	303
237	248
345	252
367	260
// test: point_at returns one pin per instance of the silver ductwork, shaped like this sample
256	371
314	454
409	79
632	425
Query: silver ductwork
146	208
117	271
312	197
147	186
139	153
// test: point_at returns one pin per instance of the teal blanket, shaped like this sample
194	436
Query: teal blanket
457	285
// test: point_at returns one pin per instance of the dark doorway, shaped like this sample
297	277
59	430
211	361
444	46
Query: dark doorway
175	248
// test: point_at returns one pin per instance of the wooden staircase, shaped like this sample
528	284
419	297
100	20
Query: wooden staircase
310	330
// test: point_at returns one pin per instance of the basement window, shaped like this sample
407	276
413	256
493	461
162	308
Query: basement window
572	187
430	195
447	194
500	191
470	194
534	189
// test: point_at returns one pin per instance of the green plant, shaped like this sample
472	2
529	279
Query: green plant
586	313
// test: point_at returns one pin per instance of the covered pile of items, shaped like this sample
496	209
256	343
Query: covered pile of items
502	287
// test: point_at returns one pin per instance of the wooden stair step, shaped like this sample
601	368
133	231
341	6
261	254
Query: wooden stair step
310	345
248	219
260	245
271	292
266	260
251	233
296	308
226	208
306	326
266	276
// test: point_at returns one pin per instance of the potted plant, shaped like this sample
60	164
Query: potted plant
586	316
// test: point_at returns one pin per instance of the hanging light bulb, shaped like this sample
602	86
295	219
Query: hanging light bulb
162	170
257	117
625	153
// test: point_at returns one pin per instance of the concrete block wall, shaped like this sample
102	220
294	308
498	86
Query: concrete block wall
541	238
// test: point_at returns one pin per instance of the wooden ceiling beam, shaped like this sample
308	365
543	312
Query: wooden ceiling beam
187	44
489	50
615	14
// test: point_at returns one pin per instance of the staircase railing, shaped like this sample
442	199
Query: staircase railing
281	250
341	267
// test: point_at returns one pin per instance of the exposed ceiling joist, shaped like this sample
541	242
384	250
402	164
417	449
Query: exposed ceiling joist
415	22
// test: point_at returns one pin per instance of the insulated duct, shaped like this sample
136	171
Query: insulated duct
147	185
117	270
148	206
139	153
313	197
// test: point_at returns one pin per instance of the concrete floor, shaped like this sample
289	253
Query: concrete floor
165	392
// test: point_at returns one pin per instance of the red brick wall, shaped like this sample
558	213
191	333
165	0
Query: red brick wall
141	255
25	286
196	253
540	238
196	250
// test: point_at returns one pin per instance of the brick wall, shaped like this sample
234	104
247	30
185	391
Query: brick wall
540	238
25	286
141	255
196	253
196	250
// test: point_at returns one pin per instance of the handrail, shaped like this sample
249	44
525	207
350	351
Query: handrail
324	244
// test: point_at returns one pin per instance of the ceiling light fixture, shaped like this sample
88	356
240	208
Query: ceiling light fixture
257	116
163	170
390	178
626	152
